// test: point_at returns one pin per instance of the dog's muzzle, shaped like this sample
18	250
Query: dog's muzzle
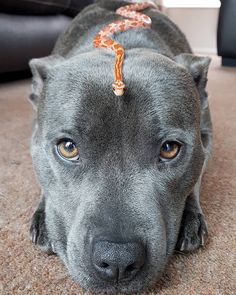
114	261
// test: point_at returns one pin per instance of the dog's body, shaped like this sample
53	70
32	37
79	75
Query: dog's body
118	202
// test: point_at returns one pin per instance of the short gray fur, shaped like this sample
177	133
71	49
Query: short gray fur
119	188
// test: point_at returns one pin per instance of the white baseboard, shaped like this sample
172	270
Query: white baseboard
191	3
202	50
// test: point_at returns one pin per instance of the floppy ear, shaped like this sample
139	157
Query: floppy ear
197	66
40	68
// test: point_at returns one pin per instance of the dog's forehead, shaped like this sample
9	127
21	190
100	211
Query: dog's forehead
79	92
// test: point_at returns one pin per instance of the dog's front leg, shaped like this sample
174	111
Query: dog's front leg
193	230
38	230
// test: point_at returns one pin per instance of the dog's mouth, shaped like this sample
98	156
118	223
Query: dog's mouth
93	283
107	274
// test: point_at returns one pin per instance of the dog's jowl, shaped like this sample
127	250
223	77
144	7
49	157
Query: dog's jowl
120	175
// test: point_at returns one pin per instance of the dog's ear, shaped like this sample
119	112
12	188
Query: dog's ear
197	66
40	68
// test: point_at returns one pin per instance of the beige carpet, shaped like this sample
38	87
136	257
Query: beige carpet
25	270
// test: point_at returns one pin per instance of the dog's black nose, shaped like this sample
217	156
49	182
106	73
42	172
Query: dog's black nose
118	261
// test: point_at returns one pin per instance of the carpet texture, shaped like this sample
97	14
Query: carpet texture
26	270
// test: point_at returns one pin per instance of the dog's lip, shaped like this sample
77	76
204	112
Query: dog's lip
124	286
112	287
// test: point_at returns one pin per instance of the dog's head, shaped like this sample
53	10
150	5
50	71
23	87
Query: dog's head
116	171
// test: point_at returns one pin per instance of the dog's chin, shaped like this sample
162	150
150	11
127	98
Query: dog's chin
97	286
82	271
90	281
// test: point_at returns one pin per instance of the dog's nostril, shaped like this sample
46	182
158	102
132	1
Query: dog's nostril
104	265
130	267
118	261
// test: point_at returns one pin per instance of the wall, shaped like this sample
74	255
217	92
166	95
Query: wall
199	26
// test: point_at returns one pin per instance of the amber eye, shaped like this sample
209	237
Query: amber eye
169	150
68	149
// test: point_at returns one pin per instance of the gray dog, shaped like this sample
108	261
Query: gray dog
120	176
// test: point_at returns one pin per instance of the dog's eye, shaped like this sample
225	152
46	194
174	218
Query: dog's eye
169	150
67	149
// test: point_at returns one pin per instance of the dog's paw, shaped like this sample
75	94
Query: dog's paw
193	232
38	232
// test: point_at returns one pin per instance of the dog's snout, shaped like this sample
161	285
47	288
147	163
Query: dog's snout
118	261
